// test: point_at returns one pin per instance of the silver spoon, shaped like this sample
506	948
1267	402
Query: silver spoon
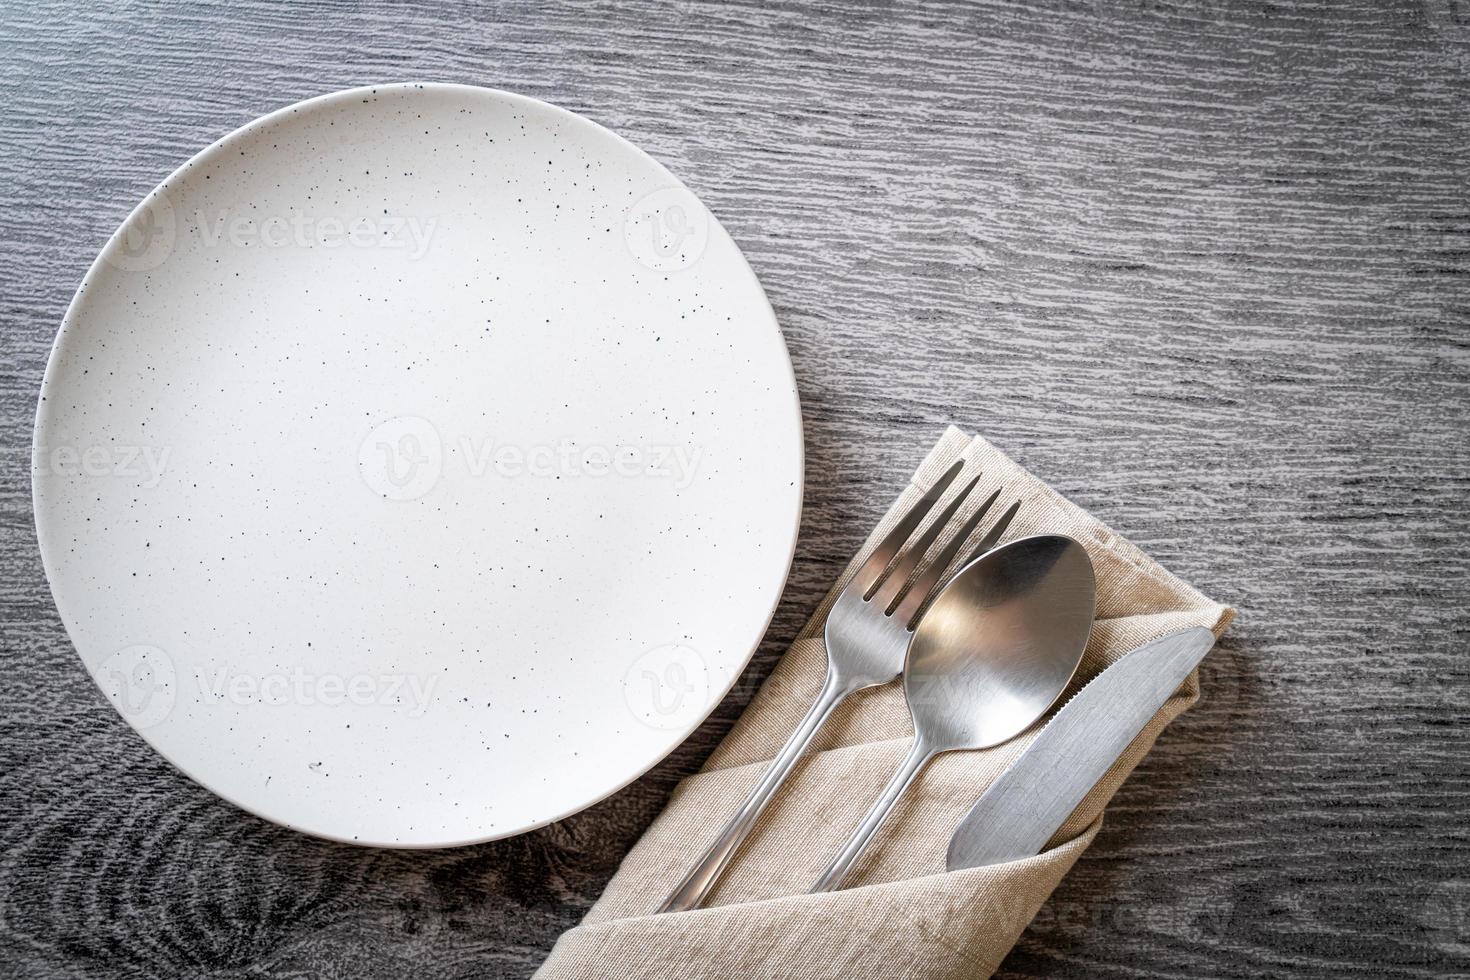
995	650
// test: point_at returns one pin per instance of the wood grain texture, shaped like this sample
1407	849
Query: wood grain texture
1206	268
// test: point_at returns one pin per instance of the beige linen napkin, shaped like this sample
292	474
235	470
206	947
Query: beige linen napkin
902	915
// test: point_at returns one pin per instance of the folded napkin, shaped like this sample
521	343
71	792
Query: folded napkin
902	914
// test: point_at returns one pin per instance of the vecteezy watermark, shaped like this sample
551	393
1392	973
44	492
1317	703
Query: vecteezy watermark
299	229
1195	914
667	230
139	681
1446	916
146	239
1446	16
142	682
154	230
142	465
401	459
412	692
404	457
569	458
668	687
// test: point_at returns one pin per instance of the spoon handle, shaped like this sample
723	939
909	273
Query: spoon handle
696	885
831	879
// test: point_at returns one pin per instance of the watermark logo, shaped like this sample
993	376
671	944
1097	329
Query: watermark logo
152	234
1446	916
299	229
1200	913
402	458
147	239
139	681
668	687
1447	16
572	460
141	465
410	692
667	230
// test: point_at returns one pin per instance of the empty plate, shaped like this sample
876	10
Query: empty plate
417	465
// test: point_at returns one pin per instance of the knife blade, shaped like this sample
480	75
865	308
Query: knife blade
1021	810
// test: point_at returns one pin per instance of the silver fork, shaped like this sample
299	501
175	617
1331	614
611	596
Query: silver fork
868	633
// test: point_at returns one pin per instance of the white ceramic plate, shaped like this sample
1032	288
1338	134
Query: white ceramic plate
418	465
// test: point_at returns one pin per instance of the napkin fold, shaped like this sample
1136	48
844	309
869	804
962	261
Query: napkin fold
902	914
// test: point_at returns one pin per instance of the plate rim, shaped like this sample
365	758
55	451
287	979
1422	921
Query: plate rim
101	265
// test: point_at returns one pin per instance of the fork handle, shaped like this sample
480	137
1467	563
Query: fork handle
832	878
696	885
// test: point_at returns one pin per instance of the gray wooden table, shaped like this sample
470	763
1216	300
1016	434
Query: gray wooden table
1205	268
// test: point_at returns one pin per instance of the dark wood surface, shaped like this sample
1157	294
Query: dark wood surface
1206	268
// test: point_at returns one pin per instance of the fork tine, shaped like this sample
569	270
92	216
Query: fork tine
988	542
888	590
925	583
871	572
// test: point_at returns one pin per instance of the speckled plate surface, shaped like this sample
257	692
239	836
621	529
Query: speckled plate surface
418	465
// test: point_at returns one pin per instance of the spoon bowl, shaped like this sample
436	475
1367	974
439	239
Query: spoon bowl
1000	643
993	652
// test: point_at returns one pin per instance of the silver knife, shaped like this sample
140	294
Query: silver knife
1022	809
